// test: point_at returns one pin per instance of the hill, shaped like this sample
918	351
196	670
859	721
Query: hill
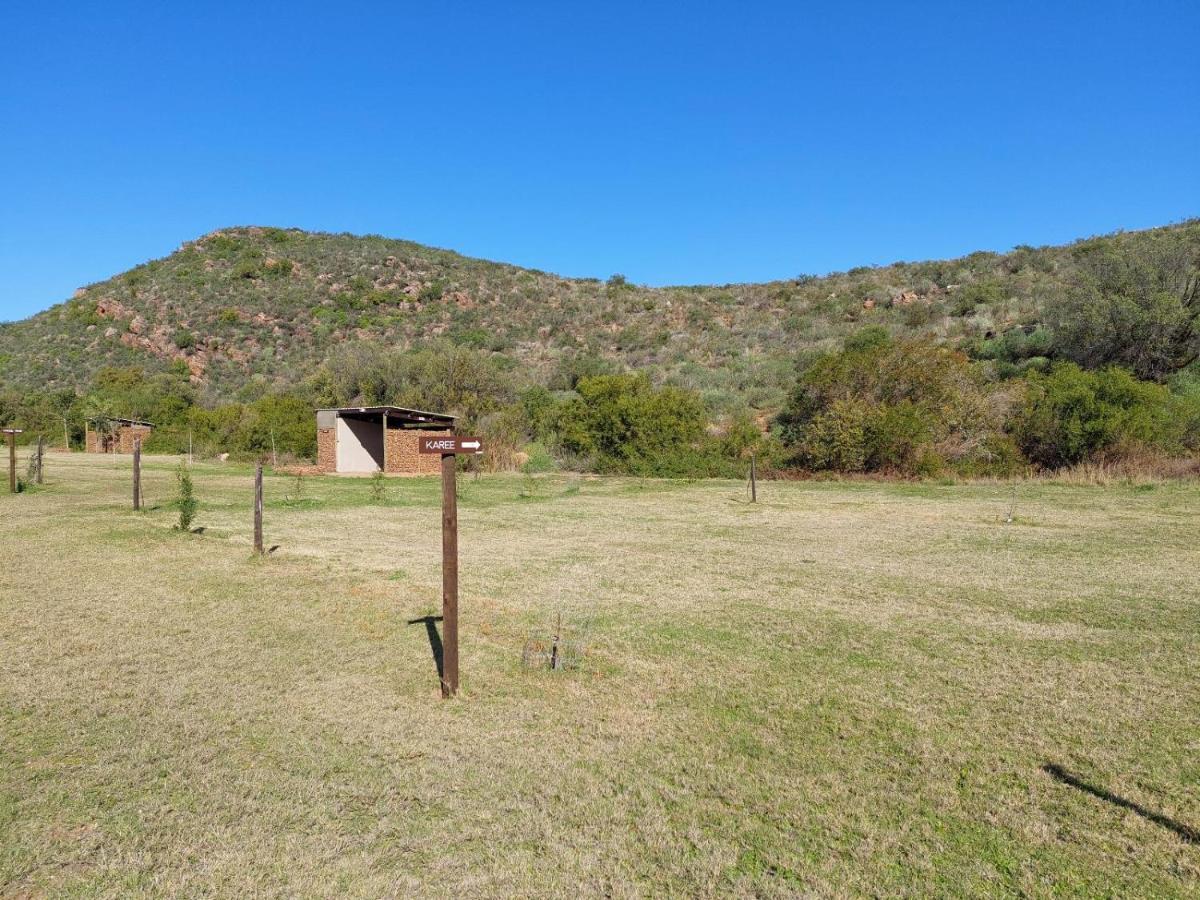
262	307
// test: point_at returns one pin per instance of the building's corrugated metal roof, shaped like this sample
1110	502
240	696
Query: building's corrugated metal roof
403	411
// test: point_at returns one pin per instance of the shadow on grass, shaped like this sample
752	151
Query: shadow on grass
1186	832
435	639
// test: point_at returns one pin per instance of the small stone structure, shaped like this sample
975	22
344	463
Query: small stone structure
365	439
120	440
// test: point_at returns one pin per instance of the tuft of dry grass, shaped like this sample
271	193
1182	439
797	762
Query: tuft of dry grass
1143	467
845	689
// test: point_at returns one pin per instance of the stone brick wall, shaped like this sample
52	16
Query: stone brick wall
327	449
403	452
126	435
122	440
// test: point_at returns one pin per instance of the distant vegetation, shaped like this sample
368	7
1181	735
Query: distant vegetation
987	364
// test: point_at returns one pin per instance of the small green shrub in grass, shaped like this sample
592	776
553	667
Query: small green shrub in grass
377	486
540	460
185	500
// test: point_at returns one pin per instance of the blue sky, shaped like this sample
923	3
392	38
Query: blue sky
675	143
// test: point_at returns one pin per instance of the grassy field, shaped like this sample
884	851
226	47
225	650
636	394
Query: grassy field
848	688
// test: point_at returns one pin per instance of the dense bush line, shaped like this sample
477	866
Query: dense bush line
894	406
913	407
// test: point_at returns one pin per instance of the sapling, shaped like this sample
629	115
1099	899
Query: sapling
185	500
529	487
298	484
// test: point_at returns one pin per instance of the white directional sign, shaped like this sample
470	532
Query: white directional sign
443	444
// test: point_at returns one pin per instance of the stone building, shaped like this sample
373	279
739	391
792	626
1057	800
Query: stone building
364	439
120	437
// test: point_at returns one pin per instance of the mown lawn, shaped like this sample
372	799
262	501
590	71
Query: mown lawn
845	689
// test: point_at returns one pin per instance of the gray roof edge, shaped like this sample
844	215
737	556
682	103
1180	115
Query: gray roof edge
380	409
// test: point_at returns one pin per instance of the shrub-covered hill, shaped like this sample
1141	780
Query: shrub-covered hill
264	306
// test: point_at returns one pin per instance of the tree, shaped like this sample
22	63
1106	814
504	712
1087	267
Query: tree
441	376
1132	303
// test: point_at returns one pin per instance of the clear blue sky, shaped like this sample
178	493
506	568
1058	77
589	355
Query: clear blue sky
676	143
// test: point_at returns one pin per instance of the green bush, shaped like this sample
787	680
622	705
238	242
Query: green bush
248	268
861	436
984	292
540	407
866	339
433	291
574	367
185	499
905	407
1015	352
1071	415
622	424
223	246
1185	407
539	460
378	487
278	268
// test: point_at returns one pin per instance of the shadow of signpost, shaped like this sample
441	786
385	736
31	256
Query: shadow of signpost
435	639
1186	832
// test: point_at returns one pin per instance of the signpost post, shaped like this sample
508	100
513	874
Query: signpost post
12	458
448	447
137	473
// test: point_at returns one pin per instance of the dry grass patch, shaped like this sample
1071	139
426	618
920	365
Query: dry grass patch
844	689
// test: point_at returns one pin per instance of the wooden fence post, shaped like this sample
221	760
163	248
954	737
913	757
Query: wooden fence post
137	473
753	479
41	455
12	462
258	510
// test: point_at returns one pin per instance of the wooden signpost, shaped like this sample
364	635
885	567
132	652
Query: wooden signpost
41	458
12	458
258	510
448	448
137	473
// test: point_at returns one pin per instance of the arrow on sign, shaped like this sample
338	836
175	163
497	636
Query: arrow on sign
470	445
